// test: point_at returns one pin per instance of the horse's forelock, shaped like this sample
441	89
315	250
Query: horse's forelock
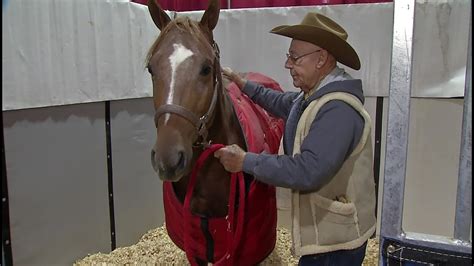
184	24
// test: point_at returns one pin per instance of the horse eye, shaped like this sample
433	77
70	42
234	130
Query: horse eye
205	70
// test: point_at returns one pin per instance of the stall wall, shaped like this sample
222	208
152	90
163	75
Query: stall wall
57	183
90	51
137	189
432	166
58	180
57	175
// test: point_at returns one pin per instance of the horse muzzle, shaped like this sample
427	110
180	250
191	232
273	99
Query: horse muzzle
170	165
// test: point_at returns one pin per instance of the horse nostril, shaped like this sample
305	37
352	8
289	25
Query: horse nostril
181	160
153	160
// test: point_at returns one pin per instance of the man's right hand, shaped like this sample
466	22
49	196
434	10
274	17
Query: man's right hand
234	77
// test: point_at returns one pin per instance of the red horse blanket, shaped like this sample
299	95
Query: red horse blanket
263	133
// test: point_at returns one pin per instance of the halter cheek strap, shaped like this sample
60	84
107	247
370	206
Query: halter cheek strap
199	123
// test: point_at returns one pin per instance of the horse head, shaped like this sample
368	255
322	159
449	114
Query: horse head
184	66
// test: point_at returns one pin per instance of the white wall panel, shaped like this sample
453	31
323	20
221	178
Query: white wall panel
432	166
138	197
440	44
57	183
65	52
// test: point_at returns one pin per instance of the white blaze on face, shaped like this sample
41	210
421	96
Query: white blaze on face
178	56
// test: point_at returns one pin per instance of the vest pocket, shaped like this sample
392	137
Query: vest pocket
335	222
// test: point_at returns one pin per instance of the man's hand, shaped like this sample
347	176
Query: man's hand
234	77
231	157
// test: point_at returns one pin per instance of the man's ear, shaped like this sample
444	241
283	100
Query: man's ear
322	58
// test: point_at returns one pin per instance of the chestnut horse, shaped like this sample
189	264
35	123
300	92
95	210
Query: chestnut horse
193	109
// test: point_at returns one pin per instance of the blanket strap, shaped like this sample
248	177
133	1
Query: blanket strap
234	231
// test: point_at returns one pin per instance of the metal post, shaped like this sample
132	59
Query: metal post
463	216
398	118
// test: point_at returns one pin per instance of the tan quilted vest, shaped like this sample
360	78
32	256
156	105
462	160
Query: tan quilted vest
340	215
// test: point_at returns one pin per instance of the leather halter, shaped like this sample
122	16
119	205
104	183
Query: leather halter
199	123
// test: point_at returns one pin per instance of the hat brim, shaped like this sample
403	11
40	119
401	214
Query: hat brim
339	48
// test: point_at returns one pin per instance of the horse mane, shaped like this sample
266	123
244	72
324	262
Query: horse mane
183	24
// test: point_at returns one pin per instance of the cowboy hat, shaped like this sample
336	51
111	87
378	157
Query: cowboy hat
324	32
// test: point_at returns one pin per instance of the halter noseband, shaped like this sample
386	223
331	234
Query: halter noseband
199	123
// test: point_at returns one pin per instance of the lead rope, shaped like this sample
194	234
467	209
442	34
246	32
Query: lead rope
233	239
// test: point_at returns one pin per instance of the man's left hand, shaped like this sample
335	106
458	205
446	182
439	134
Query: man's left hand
231	157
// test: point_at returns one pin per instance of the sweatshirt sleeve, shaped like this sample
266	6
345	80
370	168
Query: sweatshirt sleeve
275	102
333	135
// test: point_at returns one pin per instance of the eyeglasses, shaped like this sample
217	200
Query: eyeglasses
294	59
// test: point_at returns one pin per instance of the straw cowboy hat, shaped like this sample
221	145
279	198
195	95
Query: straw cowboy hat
324	32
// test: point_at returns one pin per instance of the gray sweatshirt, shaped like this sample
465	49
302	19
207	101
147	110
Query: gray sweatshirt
333	135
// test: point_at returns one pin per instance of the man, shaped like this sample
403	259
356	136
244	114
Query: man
327	160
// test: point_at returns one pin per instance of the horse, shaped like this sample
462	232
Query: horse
215	217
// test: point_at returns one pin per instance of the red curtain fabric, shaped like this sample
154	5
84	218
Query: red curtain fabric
282	3
190	5
182	5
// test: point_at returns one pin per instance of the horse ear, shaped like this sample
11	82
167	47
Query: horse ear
159	16
211	15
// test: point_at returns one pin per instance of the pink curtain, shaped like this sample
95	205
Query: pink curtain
281	3
189	5
182	5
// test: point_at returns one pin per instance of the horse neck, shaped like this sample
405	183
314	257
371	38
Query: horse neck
226	129
210	197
